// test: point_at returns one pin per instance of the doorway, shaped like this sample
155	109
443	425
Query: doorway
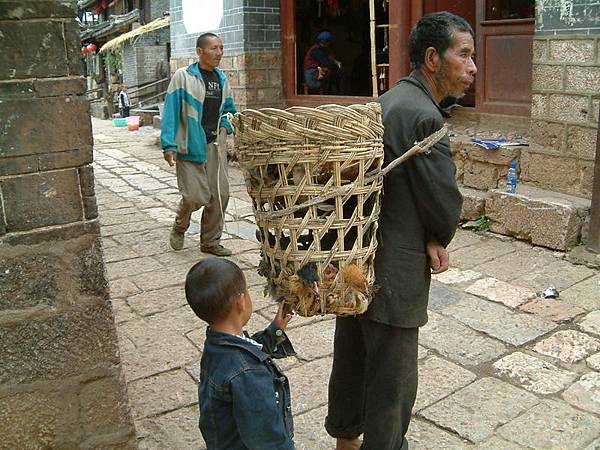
350	23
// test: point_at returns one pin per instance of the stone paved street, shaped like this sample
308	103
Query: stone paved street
500	368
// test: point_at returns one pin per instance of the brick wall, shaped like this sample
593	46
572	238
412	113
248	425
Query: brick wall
158	8
251	36
60	382
564	114
142	57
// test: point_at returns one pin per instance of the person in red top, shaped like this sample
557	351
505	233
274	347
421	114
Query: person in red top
321	69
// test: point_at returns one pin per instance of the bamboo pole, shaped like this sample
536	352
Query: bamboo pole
373	47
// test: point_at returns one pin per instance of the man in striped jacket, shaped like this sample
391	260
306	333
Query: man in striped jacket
193	136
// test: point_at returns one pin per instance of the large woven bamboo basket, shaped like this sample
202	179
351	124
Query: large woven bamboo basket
306	170
315	177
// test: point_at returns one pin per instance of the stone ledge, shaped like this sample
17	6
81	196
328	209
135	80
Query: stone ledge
545	218
479	168
473	203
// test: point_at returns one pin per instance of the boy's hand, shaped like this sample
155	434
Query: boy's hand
282	318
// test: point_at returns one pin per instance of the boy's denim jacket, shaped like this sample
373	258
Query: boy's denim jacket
244	396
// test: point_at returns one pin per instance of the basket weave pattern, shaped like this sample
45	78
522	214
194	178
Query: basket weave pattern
309	174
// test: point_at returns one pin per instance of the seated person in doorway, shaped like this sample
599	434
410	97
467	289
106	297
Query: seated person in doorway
321	69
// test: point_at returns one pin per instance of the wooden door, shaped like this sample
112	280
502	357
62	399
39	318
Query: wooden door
504	48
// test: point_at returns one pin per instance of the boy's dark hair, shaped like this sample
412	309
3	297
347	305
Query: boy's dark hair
434	30
211	286
203	39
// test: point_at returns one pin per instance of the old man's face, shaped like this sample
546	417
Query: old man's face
457	71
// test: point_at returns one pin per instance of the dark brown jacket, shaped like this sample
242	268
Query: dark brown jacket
421	202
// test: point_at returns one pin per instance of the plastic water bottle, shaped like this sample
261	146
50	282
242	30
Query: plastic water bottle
512	178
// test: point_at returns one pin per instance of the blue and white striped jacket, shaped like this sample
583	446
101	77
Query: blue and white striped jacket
181	125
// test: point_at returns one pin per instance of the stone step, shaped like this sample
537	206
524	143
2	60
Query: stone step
546	218
479	168
473	203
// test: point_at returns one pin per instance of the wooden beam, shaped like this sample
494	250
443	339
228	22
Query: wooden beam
593	243
373	47
400	18
288	48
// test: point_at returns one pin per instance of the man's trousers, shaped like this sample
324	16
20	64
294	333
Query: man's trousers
373	383
204	184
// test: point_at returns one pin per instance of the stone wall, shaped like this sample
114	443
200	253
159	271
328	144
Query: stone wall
145	57
158	8
251	35
564	113
60	382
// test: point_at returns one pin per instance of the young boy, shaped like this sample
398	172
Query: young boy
124	103
244	396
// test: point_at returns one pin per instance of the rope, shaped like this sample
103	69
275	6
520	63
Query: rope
420	147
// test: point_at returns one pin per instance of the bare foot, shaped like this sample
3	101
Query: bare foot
348	444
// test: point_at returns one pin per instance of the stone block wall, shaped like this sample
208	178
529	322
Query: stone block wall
251	35
60	380
145	58
158	8
564	114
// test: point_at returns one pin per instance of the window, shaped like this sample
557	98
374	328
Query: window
509	9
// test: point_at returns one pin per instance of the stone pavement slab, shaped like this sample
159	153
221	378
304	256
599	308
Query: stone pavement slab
309	432
425	436
584	294
308	384
509	326
593	362
477	410
457	276
482	364
458	342
438	379
552	424
501	292
534	374
312	341
496	442
486	250
568	345
177	429
441	296
591	323
552	309
161	393
585	394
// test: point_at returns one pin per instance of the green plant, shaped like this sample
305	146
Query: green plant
483	223
114	61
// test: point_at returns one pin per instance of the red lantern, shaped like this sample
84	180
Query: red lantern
104	4
84	50
91	48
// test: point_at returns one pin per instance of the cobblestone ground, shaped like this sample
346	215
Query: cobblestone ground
500	368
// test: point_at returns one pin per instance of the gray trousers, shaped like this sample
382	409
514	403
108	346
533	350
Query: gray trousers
200	185
373	383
